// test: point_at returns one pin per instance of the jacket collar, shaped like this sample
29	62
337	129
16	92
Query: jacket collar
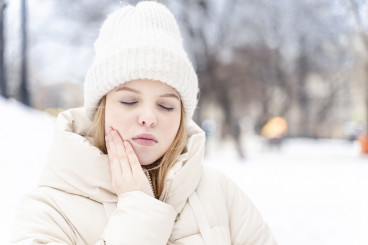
78	167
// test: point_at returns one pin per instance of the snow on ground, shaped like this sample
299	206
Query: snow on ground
24	137
310	192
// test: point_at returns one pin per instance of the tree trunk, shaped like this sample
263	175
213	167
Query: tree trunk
23	90
3	83
230	123
304	127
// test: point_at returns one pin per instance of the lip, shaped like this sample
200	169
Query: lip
145	139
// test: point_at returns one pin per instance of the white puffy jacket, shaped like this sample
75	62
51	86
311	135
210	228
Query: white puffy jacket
75	204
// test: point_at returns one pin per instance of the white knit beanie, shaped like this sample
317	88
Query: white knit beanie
141	42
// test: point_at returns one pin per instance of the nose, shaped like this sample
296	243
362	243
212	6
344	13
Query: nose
147	118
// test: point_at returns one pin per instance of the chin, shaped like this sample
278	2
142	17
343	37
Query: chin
148	156
146	161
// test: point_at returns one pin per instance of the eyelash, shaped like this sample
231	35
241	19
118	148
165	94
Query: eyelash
132	103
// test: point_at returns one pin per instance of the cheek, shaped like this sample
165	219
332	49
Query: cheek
171	127
116	120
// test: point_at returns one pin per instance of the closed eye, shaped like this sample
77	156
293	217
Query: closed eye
166	108
132	103
128	103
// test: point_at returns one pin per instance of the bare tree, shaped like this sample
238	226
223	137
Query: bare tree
87	16
207	41
364	37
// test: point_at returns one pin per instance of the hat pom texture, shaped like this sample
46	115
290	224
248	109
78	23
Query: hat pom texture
141	42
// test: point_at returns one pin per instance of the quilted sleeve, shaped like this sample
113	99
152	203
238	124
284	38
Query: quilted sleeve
39	222
139	219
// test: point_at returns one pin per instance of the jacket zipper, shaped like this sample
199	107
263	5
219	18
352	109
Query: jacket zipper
150	181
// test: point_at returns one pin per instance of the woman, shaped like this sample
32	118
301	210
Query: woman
128	167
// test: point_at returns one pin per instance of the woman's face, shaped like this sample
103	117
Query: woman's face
141	109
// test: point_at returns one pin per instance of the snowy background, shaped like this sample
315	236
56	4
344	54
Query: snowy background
310	192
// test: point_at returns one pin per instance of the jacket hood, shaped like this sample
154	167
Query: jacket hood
78	167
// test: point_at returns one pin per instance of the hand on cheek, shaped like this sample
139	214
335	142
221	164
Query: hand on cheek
126	171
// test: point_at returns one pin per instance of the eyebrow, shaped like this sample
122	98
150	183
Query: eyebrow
136	91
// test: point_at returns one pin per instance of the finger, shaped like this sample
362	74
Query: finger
120	149
113	157
133	159
109	130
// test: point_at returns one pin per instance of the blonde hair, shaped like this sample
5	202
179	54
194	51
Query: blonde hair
157	170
